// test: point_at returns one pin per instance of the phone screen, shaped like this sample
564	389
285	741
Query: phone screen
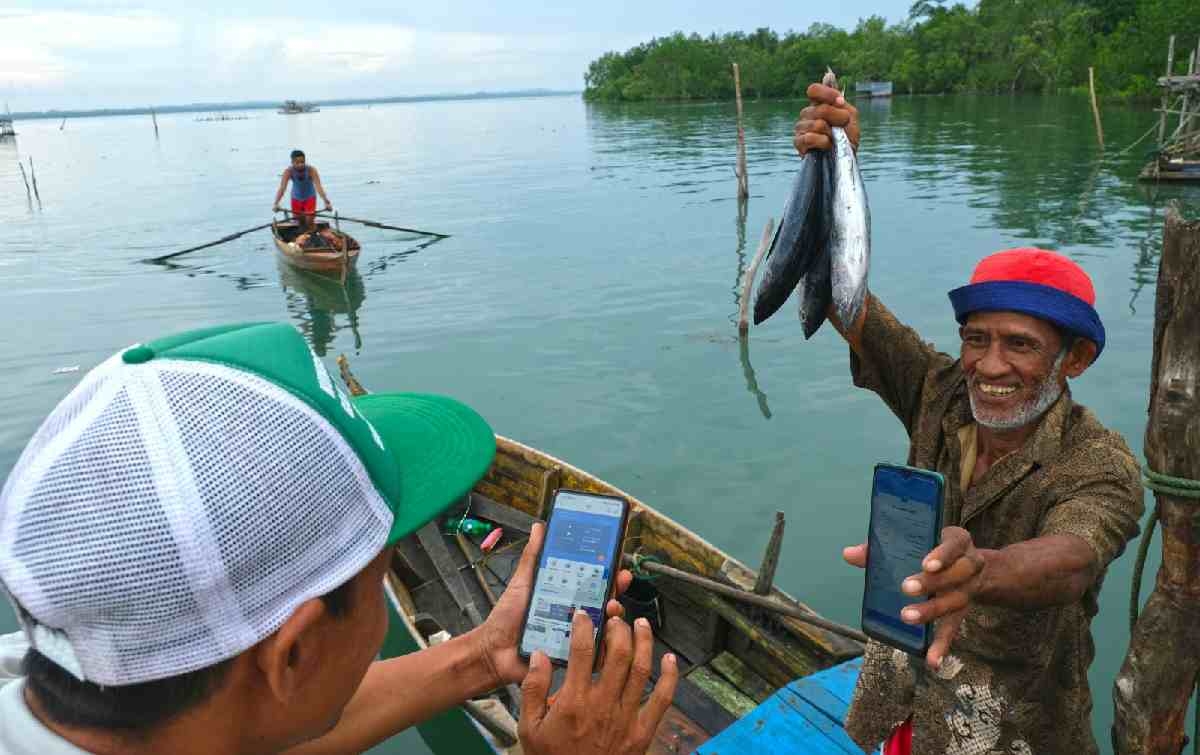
576	566
905	516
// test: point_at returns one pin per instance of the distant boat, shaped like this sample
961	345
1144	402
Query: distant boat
291	107
873	88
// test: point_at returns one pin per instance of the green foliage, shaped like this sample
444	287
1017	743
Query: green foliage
993	46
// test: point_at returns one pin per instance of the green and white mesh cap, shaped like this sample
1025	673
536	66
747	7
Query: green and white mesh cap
180	503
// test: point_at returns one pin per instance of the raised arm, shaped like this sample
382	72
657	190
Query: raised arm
283	182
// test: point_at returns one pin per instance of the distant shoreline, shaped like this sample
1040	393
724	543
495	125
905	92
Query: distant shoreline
218	107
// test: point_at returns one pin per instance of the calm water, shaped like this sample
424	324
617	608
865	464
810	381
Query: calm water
586	301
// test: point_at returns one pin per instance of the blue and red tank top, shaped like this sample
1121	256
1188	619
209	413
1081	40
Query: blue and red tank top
302	183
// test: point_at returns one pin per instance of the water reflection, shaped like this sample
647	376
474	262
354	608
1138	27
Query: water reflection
743	339
315	301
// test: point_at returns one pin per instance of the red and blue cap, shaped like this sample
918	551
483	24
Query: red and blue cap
1036	282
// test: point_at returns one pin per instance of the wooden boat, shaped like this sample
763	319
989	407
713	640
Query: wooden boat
734	658
328	260
873	88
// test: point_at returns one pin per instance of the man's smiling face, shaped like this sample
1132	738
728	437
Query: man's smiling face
1013	363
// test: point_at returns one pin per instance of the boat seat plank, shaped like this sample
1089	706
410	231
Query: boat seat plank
483	507
695	702
719	689
676	734
804	717
742	677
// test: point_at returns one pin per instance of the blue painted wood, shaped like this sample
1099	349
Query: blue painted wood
804	717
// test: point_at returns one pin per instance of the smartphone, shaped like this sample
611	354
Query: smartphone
577	569
906	522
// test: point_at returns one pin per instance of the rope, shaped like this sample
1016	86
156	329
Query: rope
1180	487
641	573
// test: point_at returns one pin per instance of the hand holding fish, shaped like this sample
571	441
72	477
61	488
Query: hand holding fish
829	109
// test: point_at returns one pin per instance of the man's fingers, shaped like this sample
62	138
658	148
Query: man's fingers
833	116
579	662
810	140
624	580
642	665
947	630
533	692
613	608
856	555
618	651
956	575
939	606
522	578
821	94
662	695
955	542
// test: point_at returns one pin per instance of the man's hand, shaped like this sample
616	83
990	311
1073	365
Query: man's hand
499	635
829	108
602	717
276	208
328	206
952	573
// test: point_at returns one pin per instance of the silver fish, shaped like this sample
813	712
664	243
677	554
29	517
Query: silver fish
850	240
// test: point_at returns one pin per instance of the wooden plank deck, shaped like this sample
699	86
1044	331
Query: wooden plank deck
804	717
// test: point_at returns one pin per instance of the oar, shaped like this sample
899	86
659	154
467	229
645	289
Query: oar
222	240
375	224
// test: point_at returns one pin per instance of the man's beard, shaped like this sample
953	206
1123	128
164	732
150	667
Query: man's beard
1047	393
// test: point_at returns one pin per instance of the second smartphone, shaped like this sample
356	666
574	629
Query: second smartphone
577	569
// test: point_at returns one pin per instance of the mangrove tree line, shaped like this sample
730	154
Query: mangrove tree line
994	46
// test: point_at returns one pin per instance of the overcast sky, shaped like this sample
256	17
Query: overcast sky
80	54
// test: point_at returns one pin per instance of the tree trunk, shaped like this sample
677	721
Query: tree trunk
1156	681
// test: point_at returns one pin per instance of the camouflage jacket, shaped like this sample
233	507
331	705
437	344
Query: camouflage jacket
1017	681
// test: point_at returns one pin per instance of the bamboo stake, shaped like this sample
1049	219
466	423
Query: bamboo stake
154	118
1162	119
744	596
1152	690
1095	107
28	195
743	179
33	175
748	281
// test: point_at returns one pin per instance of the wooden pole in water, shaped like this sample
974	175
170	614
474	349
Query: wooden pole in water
1152	690
1166	100
743	179
25	178
1095	107
748	281
154	118
33	175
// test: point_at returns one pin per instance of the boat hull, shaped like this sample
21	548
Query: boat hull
317	261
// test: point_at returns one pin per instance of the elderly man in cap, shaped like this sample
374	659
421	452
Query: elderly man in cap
195	542
1040	499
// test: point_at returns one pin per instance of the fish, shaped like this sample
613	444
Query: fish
815	291
850	240
796	241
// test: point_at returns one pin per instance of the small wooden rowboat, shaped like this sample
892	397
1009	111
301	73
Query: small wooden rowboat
737	660
340	255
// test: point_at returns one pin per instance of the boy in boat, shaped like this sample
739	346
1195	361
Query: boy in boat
195	543
1041	499
306	185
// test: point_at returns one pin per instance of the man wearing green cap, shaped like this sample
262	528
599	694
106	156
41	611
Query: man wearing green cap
1040	498
194	542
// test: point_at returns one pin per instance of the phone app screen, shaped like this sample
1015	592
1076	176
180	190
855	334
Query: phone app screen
575	567
903	519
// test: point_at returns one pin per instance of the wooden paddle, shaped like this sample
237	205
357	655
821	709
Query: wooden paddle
230	237
374	224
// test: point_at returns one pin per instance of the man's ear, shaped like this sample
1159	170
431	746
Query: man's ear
290	656
1079	358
